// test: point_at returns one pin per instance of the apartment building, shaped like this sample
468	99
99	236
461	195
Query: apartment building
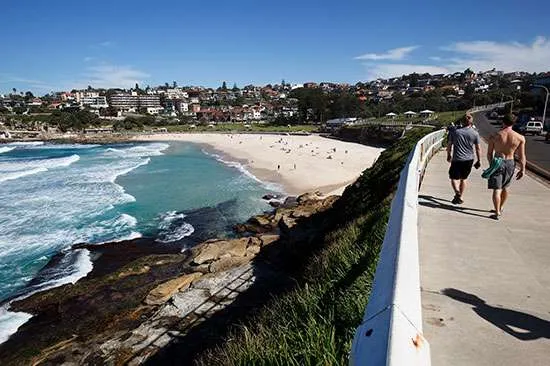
94	102
132	102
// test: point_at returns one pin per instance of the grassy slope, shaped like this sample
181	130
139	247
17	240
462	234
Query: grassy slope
314	324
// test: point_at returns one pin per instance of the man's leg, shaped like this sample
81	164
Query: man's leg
497	200
462	187
503	198
455	183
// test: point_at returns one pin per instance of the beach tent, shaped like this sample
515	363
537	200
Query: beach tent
391	115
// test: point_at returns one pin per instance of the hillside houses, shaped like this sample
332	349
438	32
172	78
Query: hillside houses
253	103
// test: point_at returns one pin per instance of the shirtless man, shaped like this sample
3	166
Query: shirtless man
504	144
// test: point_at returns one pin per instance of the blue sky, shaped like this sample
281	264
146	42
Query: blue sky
63	45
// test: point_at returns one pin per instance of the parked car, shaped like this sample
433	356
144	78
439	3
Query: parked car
531	127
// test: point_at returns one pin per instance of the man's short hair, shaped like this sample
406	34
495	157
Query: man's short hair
467	120
509	119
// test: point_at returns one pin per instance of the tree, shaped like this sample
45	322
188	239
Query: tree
89	88
345	105
174	84
413	79
29	95
137	87
312	104
235	87
166	85
14	90
224	86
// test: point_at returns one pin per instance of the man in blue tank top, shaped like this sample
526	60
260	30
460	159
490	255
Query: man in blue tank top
460	153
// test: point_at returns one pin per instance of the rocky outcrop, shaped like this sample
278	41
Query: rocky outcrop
268	239
128	314
164	291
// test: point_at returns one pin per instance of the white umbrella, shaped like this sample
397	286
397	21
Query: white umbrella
427	111
391	114
410	113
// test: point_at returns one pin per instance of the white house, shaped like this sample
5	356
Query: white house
182	107
154	110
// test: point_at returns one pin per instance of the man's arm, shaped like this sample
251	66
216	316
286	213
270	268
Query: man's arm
522	158
449	150
490	149
478	155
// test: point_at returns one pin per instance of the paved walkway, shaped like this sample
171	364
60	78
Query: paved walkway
485	283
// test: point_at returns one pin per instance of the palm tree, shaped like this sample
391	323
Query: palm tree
14	90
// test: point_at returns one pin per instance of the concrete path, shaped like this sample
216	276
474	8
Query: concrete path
485	283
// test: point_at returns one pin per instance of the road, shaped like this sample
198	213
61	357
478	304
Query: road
538	150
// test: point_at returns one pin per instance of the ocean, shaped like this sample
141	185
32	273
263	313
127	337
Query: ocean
55	195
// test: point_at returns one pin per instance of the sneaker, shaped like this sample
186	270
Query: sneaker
495	217
460	200
457	200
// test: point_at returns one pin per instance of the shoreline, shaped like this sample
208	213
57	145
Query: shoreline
287	181
296	163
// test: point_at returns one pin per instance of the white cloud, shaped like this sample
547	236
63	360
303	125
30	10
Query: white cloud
9	81
476	55
385	71
88	59
513	56
107	44
394	54
112	76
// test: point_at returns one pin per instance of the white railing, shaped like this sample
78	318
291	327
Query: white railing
391	331
488	106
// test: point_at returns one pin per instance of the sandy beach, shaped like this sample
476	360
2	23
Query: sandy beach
298	163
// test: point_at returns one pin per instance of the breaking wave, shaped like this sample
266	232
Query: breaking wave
173	228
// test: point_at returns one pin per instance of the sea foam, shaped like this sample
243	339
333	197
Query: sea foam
22	168
10	322
26	143
241	168
5	149
173	228
74	266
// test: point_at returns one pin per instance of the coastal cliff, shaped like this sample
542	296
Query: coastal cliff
290	289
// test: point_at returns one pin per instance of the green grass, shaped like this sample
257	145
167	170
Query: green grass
314	324
239	127
446	118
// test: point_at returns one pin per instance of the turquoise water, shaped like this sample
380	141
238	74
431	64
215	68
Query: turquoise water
54	196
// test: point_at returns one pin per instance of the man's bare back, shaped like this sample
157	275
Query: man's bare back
505	143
